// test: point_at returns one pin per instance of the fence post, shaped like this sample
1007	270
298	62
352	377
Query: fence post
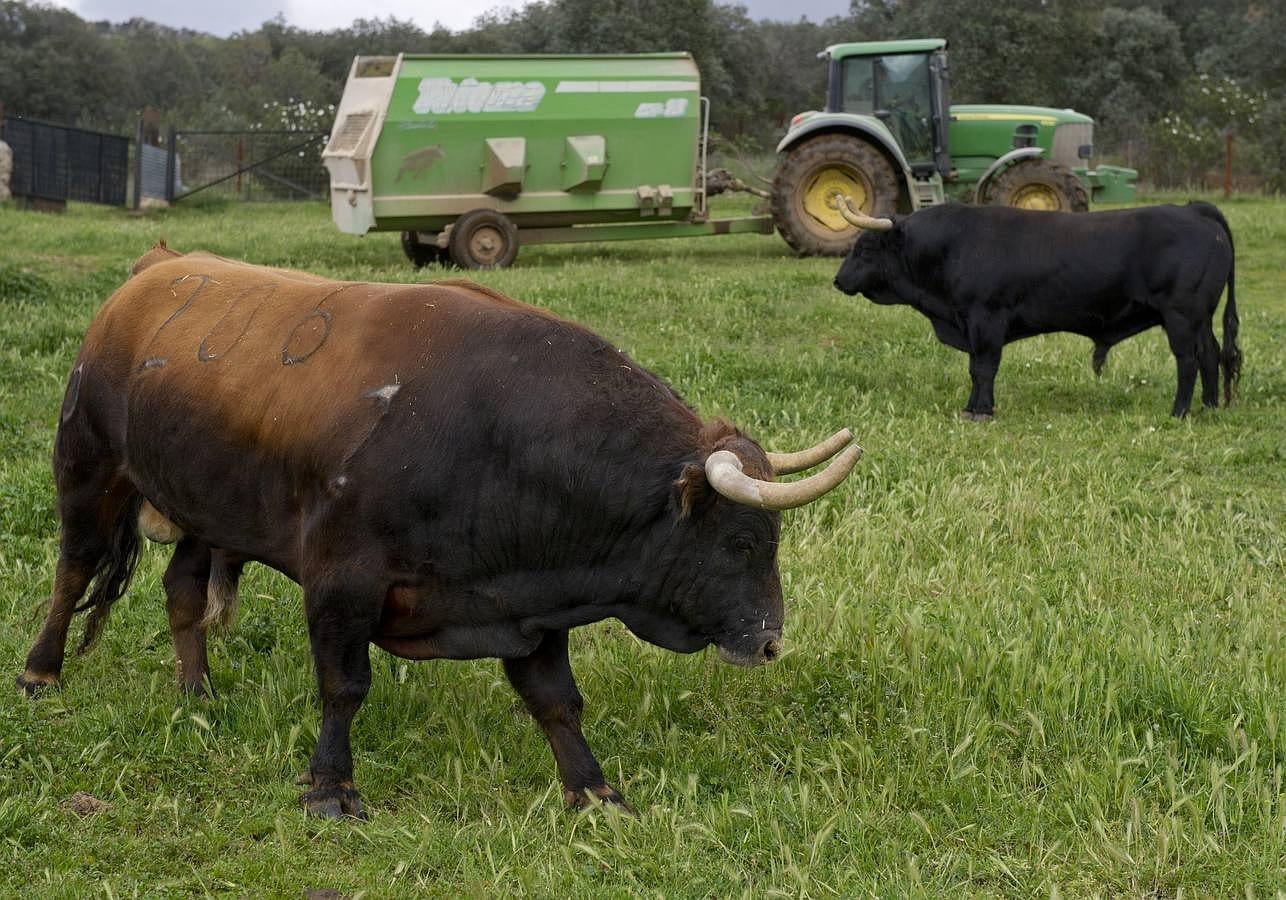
170	157
138	164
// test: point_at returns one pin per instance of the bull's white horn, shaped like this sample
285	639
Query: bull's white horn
786	463
724	472
858	218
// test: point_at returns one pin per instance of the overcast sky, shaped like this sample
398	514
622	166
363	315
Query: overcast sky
227	16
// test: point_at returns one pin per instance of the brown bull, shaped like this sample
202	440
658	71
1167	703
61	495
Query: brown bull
448	474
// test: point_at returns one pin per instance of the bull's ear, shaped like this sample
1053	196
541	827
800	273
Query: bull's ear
692	490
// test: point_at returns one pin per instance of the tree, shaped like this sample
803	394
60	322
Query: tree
1134	69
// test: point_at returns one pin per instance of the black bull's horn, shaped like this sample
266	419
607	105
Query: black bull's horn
724	472
859	219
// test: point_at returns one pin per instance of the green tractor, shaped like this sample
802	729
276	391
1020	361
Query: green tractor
890	140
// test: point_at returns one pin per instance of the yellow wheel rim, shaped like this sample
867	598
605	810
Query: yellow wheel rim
1036	196
820	193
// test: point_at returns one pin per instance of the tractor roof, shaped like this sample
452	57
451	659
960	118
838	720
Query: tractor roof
880	48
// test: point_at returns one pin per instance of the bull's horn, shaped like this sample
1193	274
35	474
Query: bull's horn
858	218
723	471
786	463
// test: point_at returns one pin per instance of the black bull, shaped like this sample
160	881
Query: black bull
448	473
986	276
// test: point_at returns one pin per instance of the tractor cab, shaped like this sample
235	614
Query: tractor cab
902	84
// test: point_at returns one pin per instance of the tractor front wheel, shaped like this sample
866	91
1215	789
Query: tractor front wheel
809	177
1038	184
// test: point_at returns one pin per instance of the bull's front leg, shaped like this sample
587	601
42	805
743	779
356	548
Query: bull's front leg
985	343
1101	349
545	682
341	622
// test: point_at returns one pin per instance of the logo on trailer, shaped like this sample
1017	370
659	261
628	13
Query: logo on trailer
442	95
673	108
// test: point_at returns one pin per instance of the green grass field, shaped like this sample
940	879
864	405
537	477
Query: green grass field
1044	656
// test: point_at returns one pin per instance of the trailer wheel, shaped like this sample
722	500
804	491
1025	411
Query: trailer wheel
1038	184
421	254
483	239
810	174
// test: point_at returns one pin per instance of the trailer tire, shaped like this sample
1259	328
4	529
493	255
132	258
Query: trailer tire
421	254
810	173
1038	184
483	239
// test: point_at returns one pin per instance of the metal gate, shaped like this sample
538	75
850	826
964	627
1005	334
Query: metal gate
59	163
247	165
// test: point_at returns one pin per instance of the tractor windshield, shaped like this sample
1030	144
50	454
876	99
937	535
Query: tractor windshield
897	90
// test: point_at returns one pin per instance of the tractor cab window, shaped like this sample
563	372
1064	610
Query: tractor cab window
897	90
903	91
859	86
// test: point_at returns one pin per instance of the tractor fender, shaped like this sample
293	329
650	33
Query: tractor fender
1000	165
863	126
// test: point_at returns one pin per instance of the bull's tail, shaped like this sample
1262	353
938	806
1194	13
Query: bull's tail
113	573
1230	357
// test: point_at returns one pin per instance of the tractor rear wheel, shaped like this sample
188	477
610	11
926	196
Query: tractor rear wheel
1038	184
811	174
483	239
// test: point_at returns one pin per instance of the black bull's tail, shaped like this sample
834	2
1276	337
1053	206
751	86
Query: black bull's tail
113	572
1230	357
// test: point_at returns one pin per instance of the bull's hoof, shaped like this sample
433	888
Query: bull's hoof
35	685
333	803
198	690
603	795
970	416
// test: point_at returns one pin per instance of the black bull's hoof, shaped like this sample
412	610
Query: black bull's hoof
970	416
337	801
603	795
334	802
34	685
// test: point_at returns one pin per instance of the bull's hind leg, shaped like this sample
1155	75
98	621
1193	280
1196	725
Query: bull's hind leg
1183	339
186	587
97	508
1208	361
545	682
45	660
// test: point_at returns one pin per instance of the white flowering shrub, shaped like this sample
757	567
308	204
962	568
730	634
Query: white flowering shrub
295	115
1187	142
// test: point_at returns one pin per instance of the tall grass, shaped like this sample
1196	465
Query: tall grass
1041	656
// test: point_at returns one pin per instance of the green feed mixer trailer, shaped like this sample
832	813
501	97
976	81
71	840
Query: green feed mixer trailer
470	156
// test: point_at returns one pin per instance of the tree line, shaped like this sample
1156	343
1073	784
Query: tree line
1165	79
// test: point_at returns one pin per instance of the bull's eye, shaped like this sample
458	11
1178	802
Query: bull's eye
743	543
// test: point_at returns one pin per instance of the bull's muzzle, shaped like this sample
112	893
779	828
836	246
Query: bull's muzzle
764	650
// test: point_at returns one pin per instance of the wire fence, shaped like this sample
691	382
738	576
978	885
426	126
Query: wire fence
58	163
248	165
